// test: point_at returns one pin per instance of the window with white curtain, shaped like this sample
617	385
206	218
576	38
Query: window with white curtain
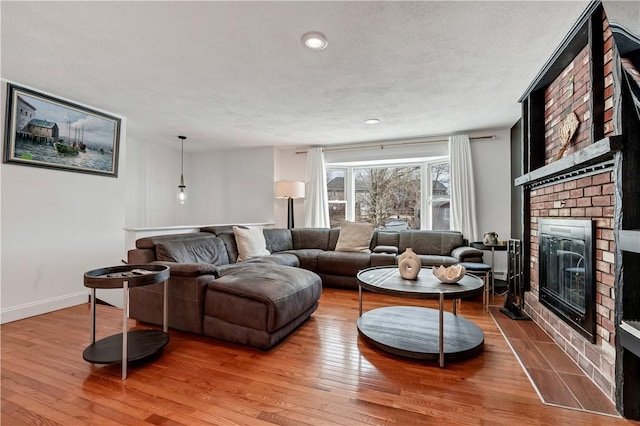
391	195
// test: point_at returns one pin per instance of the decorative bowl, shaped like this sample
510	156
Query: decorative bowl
449	274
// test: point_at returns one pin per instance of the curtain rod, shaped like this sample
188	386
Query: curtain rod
391	145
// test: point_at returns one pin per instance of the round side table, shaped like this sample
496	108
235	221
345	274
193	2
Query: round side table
128	345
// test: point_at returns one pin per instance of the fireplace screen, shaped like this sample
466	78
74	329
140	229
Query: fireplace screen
566	272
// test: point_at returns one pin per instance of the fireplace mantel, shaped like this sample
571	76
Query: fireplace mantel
593	154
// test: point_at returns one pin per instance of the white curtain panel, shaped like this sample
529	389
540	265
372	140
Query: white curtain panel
316	201
463	194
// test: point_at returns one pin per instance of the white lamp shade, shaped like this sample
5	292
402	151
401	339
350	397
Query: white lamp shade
289	189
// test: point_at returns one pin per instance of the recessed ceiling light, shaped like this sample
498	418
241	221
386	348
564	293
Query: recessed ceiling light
314	40
371	121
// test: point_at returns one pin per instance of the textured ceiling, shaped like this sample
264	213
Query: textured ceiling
234	74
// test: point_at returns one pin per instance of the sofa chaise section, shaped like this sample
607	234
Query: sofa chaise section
259	304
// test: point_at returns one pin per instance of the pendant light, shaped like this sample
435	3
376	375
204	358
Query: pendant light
182	188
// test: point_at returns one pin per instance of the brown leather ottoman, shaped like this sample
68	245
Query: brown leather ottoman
259	304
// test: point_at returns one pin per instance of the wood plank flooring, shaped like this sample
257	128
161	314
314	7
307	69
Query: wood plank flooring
322	374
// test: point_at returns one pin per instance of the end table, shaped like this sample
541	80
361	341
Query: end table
129	345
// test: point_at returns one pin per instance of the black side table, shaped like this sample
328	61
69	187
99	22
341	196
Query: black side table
128	345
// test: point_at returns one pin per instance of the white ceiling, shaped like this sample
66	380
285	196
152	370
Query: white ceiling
234	74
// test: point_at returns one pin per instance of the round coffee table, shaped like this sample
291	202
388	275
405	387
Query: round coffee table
128	345
417	332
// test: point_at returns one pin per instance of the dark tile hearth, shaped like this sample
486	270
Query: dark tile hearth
556	378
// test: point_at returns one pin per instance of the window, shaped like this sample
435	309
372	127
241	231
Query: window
391	196
336	194
388	197
440	201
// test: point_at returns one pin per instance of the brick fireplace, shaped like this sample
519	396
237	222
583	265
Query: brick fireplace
589	197
588	177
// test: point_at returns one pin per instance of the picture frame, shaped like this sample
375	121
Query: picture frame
44	131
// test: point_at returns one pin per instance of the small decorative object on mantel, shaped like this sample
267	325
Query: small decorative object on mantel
449	275
568	127
409	265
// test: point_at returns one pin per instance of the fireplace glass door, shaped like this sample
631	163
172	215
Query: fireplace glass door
566	272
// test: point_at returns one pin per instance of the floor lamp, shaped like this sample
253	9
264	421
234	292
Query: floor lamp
290	190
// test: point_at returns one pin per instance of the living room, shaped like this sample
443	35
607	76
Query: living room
57	225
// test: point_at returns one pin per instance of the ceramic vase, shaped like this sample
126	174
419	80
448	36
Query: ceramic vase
409	265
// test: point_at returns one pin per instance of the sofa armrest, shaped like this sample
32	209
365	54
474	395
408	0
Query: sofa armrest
386	249
139	256
190	269
465	254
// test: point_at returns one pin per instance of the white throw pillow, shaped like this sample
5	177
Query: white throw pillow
250	242
355	236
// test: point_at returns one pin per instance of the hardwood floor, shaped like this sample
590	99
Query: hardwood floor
323	374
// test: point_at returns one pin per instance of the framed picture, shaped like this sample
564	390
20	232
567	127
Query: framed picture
43	131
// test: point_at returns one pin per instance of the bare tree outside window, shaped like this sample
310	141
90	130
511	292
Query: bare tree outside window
388	197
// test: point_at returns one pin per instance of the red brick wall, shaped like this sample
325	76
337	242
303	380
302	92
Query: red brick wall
563	97
559	101
589	197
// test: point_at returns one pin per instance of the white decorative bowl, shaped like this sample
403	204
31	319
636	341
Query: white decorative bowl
450	274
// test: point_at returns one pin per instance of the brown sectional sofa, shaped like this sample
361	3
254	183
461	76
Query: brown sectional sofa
259	301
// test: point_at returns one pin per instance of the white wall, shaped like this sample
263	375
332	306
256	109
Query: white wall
152	185
55	225
227	186
492	173
233	186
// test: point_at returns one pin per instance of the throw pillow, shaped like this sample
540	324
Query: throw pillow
355	236
250	242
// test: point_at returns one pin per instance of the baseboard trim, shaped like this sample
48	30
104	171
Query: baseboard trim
40	307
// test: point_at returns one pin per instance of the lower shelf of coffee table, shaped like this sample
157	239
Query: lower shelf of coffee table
413	332
140	344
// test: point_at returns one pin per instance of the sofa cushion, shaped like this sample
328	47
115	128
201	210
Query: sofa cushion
385	238
430	242
204	249
355	237
308	258
278	239
230	244
310	238
250	242
343	263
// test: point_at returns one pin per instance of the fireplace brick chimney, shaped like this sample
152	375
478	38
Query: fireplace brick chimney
579	183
